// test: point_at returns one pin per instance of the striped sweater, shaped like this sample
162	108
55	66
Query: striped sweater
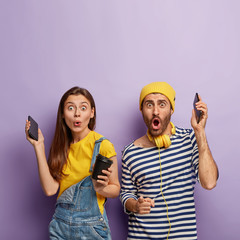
141	177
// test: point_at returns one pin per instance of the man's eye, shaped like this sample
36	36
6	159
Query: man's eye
162	104
149	105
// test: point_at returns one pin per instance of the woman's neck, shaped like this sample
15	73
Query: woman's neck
81	135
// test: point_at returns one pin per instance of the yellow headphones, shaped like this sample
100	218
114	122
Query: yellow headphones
162	140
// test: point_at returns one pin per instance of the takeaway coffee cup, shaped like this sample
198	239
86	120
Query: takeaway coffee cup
102	163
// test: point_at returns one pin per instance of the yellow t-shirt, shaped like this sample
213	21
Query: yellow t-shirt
79	162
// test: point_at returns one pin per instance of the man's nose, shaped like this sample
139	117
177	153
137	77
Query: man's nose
156	110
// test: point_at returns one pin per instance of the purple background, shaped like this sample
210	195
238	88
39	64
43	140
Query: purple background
113	48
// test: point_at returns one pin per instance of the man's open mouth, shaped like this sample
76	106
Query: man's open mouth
155	123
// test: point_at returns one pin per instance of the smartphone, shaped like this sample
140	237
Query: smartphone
33	130
198	113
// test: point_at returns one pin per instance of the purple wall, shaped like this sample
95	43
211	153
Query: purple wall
113	48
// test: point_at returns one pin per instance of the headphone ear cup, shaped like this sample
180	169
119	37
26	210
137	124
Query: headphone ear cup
162	141
166	141
159	141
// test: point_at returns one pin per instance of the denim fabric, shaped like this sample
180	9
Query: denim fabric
77	215
96	151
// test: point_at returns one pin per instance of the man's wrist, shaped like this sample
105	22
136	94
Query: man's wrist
131	205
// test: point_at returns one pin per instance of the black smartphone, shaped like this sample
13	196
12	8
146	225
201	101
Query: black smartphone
198	113
33	130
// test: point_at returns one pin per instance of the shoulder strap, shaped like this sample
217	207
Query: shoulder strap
96	151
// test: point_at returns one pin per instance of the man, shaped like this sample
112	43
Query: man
160	169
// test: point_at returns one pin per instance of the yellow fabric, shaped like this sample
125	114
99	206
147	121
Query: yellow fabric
162	140
79	162
158	87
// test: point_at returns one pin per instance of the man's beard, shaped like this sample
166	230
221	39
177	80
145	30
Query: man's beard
163	125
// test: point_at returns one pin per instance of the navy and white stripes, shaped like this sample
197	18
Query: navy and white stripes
141	177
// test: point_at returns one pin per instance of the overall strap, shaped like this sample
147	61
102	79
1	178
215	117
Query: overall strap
96	151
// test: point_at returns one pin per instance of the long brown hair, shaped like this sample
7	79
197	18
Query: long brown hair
63	137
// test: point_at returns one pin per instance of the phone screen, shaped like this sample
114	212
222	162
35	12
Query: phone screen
33	130
198	113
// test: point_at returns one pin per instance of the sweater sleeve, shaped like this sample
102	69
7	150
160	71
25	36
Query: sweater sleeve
128	187
195	154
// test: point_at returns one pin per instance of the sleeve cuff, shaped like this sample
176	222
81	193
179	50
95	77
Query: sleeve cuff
124	204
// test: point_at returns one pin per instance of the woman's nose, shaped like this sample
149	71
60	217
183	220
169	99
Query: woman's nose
77	112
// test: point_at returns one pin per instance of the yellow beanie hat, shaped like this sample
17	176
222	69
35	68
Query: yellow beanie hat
158	87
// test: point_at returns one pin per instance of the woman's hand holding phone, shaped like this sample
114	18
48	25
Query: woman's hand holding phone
33	133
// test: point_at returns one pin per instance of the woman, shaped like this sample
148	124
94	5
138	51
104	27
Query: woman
80	212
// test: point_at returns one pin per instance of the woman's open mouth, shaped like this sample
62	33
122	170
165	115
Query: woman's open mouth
77	124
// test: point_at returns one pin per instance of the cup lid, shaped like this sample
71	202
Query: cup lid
104	159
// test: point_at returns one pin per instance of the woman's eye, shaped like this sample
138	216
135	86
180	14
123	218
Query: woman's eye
83	108
70	108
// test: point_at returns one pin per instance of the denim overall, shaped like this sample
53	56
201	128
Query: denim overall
77	215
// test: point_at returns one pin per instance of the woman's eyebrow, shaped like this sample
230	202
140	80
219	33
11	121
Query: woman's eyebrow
69	103
76	104
85	103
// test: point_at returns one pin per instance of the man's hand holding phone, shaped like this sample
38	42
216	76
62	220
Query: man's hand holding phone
199	113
